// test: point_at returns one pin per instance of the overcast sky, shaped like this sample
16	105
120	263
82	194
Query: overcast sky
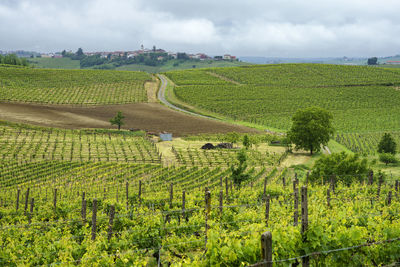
271	28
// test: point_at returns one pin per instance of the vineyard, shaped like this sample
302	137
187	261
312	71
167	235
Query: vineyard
365	143
99	197
106	213
362	99
36	144
74	87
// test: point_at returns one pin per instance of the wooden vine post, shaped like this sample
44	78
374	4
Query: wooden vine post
207	212
296	203
328	197
221	202
140	192
17	204
389	199
127	195
304	221
265	188
26	201
55	200
110	222
371	178
94	218
31	211
266	249
227	189
183	204
171	194
83	209
267	203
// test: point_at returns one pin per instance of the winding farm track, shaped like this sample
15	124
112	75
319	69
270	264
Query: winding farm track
151	117
161	97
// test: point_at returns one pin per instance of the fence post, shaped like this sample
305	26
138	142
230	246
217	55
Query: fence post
111	222
397	186
221	202
283	181
26	201
267	202
304	220
266	249
94	217
296	203
171	194
19	191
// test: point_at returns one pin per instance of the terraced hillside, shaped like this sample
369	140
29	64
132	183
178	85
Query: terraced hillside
83	87
362	99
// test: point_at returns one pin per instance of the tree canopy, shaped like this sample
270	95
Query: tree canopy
311	128
344	167
117	120
372	61
387	144
238	172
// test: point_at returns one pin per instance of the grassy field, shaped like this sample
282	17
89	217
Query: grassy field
85	87
362	99
54	63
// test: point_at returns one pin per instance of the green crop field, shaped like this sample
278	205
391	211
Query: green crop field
362	99
55	63
73	145
98	197
59	213
83	87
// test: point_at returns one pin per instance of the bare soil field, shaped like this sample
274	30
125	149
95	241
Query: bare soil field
151	117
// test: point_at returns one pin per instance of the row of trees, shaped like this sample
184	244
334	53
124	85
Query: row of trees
12	59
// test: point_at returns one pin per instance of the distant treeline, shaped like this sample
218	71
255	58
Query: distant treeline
12	59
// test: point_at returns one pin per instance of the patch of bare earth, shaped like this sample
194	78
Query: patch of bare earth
151	117
151	89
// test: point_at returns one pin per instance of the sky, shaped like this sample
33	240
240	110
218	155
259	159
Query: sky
268	28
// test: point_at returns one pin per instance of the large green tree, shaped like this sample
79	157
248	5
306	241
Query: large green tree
311	128
387	144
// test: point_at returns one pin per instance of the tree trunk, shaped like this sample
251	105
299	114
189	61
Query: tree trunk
119	127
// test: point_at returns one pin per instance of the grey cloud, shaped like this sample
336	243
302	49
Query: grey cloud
290	28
